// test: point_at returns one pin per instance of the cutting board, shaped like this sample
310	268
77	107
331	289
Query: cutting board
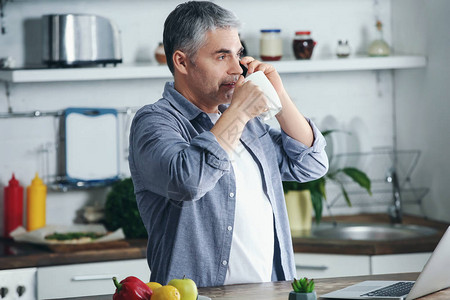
90	145
66	248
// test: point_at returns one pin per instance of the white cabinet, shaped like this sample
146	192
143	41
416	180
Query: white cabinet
399	263
18	284
331	265
337	265
87	279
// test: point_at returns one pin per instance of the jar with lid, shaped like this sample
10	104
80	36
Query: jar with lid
271	45
303	45
160	55
342	49
379	47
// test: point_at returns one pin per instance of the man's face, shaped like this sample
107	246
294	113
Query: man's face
215	69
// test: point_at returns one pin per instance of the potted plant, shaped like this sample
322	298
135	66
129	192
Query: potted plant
317	189
303	289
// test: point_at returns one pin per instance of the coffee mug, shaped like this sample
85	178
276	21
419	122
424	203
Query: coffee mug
274	104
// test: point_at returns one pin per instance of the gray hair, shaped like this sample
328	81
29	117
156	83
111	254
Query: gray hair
186	26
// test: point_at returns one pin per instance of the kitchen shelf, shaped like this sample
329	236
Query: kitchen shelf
141	71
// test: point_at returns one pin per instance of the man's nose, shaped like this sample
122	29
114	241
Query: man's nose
235	67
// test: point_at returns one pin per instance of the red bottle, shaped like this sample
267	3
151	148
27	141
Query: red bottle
13	206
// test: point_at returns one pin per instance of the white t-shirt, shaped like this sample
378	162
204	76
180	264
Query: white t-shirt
252	246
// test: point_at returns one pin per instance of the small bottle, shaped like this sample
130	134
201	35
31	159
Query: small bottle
342	49
160	55
36	194
271	45
13	206
379	47
303	45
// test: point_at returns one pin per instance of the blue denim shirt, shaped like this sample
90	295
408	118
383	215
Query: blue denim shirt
185	187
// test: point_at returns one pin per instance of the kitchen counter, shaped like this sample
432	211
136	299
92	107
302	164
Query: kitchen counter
21	255
423	244
280	290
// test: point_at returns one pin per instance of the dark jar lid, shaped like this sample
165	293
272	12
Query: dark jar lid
270	30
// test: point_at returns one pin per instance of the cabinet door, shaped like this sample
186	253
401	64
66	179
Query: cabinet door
331	265
87	279
399	263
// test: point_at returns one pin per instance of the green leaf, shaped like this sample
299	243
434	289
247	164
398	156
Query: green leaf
359	177
310	286
316	199
321	186
347	199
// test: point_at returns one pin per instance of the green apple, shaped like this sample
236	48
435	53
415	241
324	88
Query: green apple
186	287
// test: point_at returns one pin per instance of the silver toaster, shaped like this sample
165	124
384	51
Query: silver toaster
80	39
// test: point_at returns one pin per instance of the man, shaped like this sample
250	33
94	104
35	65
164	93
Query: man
207	171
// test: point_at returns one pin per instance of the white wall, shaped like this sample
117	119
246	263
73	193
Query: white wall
360	102
423	108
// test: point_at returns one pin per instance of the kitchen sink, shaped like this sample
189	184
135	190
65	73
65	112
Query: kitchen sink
370	232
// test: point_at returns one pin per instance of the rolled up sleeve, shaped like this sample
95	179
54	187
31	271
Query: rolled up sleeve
304	163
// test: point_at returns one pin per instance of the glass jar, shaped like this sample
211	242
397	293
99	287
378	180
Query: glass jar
342	49
271	45
303	45
379	47
160	55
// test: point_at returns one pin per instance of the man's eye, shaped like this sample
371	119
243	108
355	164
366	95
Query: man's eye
222	57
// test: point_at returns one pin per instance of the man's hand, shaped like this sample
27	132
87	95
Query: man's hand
248	100
289	118
271	73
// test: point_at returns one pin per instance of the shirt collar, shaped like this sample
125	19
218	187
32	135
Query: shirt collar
183	105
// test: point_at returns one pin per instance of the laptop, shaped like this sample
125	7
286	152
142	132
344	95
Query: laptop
435	276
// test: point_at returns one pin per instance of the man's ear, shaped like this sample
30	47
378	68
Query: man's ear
180	62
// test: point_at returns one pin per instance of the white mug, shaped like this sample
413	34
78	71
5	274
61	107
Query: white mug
274	104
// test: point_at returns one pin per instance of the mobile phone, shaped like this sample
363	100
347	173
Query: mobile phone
244	70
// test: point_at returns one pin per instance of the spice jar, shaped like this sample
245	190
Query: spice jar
303	45
160	55
271	45
342	49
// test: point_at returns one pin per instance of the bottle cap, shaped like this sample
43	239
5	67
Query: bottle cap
303	32
270	30
37	180
13	181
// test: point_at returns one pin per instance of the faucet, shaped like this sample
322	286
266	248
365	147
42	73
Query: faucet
395	210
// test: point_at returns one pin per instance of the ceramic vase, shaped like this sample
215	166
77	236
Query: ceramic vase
302	296
299	209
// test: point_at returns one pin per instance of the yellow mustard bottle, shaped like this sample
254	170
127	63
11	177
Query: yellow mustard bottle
36	194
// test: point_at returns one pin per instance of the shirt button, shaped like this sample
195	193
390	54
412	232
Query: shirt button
204	116
231	195
224	262
229	228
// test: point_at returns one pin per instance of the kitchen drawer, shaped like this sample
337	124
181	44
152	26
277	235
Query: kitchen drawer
399	263
331	265
87	279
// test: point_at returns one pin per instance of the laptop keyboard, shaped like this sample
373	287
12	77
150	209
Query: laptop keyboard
395	290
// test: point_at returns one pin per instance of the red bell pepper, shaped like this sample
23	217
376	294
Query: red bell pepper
131	288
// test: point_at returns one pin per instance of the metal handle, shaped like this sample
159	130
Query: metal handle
93	277
308	267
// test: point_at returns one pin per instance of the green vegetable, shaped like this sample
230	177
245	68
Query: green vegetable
121	210
73	236
303	285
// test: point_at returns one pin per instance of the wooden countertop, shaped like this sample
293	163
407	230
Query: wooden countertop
280	290
28	255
